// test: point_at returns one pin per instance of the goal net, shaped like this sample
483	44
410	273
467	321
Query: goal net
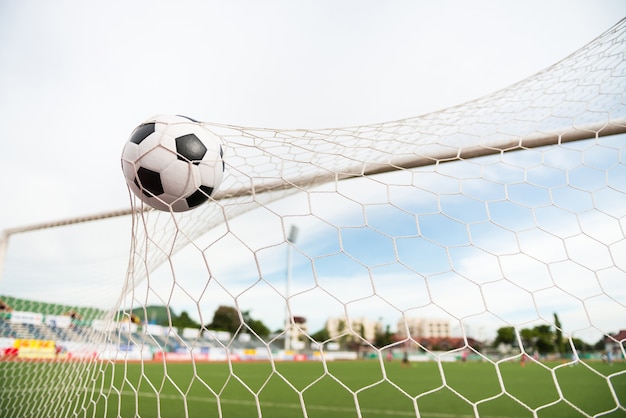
467	262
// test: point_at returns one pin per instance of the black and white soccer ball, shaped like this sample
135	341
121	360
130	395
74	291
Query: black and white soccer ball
173	163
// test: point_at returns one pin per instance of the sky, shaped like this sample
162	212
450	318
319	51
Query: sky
76	78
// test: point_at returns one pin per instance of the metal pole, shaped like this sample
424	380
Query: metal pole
291	239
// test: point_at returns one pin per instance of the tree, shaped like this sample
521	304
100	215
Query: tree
341	327
225	318
184	321
539	338
505	335
528	337
257	326
383	339
545	339
580	345
321	335
360	338
558	340
600	345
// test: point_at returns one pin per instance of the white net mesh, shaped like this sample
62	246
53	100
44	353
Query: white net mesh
469	242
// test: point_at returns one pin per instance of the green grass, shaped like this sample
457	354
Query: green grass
289	389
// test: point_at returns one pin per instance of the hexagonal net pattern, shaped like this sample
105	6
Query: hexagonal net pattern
467	262
488	236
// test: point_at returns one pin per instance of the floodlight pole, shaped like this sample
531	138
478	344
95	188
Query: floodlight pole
291	239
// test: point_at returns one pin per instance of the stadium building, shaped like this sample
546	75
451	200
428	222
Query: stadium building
362	326
423	328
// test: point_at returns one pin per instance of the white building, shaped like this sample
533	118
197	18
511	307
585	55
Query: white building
361	326
423	328
294	339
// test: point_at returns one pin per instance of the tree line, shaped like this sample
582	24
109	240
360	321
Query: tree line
542	339
227	318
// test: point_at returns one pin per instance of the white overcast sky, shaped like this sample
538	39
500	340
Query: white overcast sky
76	77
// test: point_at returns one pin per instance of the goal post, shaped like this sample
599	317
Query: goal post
453	254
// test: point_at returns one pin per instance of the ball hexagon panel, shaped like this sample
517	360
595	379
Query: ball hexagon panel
210	174
149	182
190	148
142	132
173	163
180	179
157	158
199	196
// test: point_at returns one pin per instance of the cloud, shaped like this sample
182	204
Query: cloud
367	258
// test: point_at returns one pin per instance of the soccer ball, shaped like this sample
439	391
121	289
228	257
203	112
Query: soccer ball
173	163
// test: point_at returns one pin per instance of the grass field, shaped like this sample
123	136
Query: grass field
211	390
256	387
